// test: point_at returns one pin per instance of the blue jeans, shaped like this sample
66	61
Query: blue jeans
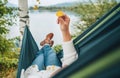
45	57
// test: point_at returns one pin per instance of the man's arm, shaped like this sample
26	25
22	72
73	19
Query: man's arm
64	26
70	54
68	47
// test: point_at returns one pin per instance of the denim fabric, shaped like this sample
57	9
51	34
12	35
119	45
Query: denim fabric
39	60
51	57
46	56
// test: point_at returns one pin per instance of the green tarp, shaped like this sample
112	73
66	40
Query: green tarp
28	51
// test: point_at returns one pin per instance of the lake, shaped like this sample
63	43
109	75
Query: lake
42	23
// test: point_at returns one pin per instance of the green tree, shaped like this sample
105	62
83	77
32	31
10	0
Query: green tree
6	19
57	48
90	12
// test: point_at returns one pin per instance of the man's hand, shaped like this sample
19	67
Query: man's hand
64	26
64	23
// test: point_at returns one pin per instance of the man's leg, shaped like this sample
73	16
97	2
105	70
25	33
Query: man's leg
39	60
51	57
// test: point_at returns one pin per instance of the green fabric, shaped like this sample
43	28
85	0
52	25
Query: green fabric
102	28
98	40
100	24
98	65
28	51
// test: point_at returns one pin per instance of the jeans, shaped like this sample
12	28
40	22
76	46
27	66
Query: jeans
45	57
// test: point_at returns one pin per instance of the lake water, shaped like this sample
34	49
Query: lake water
42	23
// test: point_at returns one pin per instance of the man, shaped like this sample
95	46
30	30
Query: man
46	63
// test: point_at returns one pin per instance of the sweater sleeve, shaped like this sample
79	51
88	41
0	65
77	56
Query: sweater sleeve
70	54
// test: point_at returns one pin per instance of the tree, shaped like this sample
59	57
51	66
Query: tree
8	59
6	19
57	48
91	12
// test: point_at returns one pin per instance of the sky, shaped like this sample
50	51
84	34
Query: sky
42	2
46	2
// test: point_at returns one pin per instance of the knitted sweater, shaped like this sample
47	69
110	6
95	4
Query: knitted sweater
70	55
